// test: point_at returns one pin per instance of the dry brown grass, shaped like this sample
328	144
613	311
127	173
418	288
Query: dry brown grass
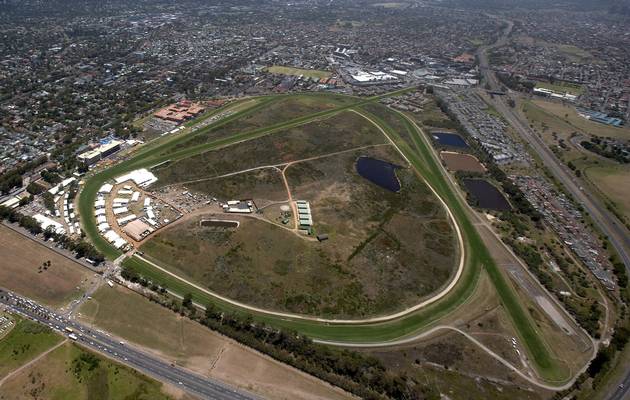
187	343
20	272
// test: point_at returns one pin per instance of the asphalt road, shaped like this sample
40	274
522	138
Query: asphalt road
102	342
610	226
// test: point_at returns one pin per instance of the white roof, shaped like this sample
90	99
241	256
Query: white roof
68	181
101	219
45	222
99	203
111	236
128	218
100	211
147	201
135	196
142	177
103	227
120	210
121	200
106	188
150	214
120	242
11	203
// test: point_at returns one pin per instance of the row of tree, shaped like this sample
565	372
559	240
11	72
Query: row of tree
79	247
355	372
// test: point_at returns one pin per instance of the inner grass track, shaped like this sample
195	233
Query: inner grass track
421	158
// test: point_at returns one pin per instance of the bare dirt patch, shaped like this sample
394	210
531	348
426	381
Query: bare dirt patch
462	162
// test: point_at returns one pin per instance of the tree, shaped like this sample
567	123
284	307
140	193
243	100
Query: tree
187	302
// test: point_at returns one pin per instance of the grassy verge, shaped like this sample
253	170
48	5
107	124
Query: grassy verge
70	372
25	342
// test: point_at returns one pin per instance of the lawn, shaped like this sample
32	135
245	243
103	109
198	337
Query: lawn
562	87
610	182
566	114
72	373
23	343
22	270
309	73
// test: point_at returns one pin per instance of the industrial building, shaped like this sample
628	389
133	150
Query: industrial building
92	156
304	214
239	206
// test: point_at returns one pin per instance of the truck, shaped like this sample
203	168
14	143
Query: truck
73	336
69	330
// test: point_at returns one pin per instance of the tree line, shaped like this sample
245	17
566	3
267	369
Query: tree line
79	247
355	372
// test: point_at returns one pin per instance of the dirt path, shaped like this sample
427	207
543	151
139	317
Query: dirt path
279	166
476	342
33	361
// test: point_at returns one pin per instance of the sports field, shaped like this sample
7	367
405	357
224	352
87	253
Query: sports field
562	87
415	148
309	73
565	119
608	180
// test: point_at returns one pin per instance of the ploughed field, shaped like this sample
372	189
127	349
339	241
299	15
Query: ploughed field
386	249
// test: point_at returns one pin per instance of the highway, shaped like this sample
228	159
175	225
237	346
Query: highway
103	343
608	224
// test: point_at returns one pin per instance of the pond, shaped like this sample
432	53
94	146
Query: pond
486	195
449	139
379	172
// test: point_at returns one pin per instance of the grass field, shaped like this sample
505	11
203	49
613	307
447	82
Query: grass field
562	87
21	270
71	373
309	73
568	116
609	180
421	157
137	320
23	343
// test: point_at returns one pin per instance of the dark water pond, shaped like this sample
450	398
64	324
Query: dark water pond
486	195
379	172
449	139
